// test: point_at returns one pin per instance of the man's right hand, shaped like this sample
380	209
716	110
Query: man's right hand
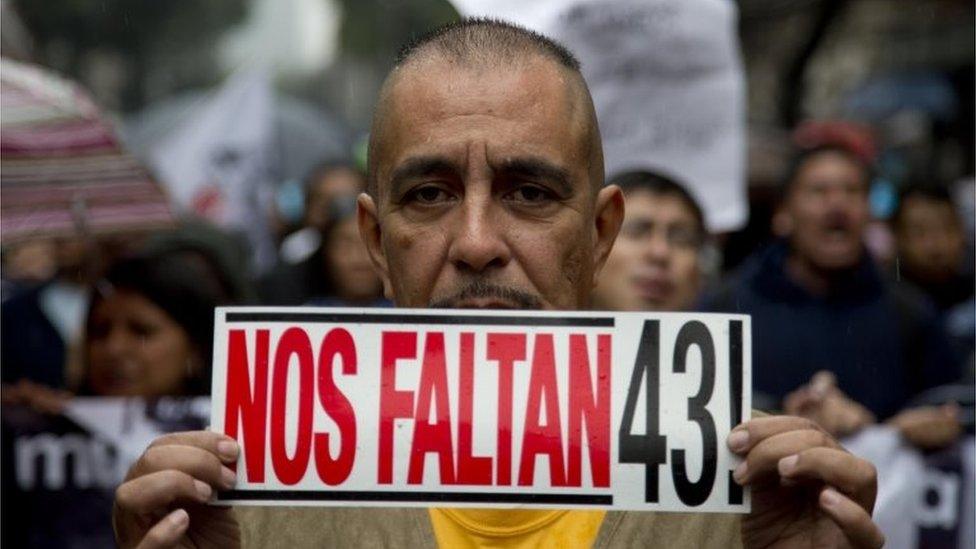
163	501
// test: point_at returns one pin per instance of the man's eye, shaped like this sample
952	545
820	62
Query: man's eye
531	193
428	195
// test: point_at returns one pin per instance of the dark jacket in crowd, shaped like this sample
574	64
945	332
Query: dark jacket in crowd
30	346
883	341
946	295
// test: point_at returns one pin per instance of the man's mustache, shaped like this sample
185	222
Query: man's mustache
484	290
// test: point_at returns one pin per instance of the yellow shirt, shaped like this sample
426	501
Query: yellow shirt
511	528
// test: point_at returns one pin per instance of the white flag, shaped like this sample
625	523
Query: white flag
216	165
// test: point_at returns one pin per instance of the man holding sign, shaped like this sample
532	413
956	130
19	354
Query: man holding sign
485	192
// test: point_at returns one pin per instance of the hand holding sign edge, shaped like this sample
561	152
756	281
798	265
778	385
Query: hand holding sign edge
805	486
162	502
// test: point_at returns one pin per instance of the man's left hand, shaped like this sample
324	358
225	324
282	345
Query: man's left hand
807	491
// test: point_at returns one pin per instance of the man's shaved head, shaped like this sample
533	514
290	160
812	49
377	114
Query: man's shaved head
485	42
480	44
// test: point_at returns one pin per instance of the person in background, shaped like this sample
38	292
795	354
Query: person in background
150	326
930	240
655	263
26	265
301	277
42	325
347	268
931	245
147	333
324	184
821	304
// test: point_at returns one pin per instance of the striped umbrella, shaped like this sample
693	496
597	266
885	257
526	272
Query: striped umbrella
62	169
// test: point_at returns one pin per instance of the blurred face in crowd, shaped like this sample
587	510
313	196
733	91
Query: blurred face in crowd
351	270
654	264
487	188
826	211
136	349
30	261
930	239
330	186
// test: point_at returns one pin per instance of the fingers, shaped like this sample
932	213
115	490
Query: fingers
822	383
850	474
847	416
218	444
852	519
929	426
167	532
800	402
155	492
197	462
842	416
761	462
39	397
750	433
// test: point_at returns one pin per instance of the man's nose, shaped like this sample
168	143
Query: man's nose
478	241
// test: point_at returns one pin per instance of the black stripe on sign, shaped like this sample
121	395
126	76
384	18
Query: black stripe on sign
735	395
415	497
466	320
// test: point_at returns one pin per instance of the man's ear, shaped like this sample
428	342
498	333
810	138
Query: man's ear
371	233
608	216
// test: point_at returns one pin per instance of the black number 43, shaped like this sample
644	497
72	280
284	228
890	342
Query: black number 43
650	448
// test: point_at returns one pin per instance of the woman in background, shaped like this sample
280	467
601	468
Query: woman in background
348	272
150	325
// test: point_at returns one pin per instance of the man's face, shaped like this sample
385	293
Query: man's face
484	191
827	209
930	239
654	263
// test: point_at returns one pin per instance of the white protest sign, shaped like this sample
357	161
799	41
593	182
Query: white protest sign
667	82
402	407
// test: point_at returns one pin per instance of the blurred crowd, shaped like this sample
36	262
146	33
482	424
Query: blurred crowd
842	332
132	315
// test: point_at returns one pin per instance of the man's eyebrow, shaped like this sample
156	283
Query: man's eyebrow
417	167
540	169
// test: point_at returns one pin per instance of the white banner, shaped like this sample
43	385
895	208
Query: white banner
667	82
217	164
400	407
925	499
